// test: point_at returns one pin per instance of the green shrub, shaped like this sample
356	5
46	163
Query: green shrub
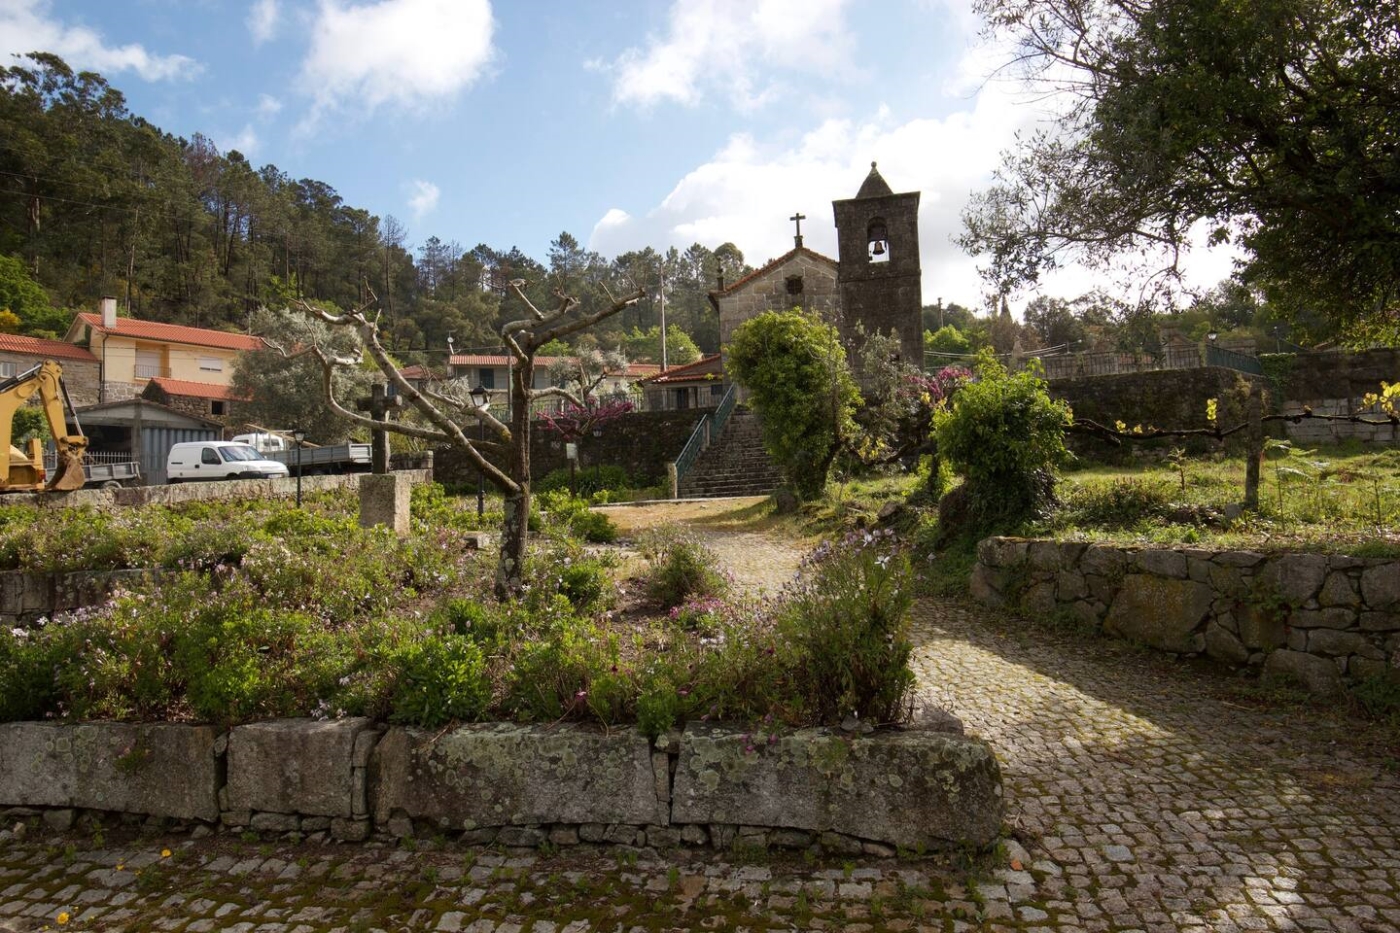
1118	503
574	514
441	679
470	618
1005	435
848	618
431	506
569	671
659	702
28	664
587	482
794	366
679	568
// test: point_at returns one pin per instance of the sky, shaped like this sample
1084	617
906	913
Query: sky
627	123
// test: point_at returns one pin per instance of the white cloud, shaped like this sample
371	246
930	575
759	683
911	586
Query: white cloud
263	20
403	52
424	199
245	141
748	189
715	46
268	106
28	26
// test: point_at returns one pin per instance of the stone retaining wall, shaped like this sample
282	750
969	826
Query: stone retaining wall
26	597
198	492
518	785
1322	620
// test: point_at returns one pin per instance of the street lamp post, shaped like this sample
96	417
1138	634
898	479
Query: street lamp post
298	435
481	398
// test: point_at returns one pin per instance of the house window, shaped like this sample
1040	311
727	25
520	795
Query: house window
8	369
211	364
794	285
147	364
486	376
716	391
216	408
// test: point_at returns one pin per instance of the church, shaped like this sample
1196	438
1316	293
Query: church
874	282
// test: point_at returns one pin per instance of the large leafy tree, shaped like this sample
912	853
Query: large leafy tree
794	367
1273	123
282	384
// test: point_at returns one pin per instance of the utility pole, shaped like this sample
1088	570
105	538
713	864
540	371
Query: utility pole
663	314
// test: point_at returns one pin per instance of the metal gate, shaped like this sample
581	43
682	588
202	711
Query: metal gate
155	447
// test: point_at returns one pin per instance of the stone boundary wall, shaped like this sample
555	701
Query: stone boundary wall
1166	398
136	496
497	783
1322	620
1333	382
640	442
27	597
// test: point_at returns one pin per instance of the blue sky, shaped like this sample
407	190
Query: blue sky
626	123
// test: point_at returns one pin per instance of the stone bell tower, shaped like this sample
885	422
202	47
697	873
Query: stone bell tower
878	273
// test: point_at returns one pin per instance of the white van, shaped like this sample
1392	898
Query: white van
262	441
196	460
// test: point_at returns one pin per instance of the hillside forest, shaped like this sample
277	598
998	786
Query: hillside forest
96	200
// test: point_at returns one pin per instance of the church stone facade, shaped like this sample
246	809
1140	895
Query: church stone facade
876	282
797	279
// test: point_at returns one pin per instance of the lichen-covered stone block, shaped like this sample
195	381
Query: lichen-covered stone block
294	766
497	774
1159	611
157	769
906	788
385	500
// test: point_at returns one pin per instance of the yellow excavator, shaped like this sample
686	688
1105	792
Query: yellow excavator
24	472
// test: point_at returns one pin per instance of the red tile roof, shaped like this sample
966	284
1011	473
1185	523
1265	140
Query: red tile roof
37	346
706	368
771	265
471	359
173	333
189	389
633	369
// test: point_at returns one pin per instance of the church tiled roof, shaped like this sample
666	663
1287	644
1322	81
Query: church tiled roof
771	265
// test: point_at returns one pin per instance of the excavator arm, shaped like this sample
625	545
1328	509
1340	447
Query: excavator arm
21	471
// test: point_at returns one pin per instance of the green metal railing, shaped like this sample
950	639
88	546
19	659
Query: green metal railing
699	440
1219	356
725	408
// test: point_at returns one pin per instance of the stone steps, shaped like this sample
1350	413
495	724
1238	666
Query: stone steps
735	465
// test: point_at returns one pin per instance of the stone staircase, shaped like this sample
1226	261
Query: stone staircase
735	464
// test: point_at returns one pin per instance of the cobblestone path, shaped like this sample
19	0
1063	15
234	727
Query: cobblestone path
1141	797
1149	800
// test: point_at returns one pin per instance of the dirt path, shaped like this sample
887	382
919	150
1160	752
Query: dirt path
761	561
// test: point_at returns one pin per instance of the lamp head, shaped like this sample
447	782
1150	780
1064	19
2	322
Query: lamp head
481	396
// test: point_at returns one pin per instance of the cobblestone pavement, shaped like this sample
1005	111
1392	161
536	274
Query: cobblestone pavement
1149	799
1141	796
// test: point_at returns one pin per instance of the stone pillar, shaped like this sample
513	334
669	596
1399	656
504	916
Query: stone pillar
384	500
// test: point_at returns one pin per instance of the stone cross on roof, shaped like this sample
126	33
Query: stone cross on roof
797	219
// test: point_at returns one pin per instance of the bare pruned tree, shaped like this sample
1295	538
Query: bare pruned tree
446	409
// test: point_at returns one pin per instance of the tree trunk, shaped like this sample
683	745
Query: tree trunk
515	527
1254	439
